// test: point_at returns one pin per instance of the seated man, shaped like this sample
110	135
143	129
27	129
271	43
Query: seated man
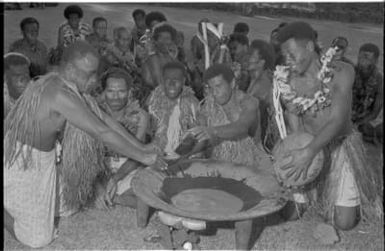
139	29
279	60
119	53
98	38
368	94
50	106
241	28
16	70
261	67
216	50
232	120
118	102
174	109
342	44
318	103
31	47
163	50
239	46
72	30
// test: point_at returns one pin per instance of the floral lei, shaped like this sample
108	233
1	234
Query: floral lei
320	99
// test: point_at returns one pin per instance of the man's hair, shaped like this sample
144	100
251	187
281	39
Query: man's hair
240	38
175	65
73	9
138	12
15	59
369	47
116	32
297	30
241	27
164	28
115	72
155	16
77	50
340	42
28	20
98	20
219	70
266	51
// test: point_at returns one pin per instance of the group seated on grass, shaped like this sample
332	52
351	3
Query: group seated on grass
100	109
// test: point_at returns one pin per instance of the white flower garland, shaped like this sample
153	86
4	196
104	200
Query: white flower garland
282	88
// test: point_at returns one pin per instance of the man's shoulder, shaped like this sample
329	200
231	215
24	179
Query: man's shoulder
343	70
247	101
17	45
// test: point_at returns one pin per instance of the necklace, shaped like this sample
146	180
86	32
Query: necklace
282	90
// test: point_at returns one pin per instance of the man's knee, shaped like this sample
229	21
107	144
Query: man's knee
34	236
346	218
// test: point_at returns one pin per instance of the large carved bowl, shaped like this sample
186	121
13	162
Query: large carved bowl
211	190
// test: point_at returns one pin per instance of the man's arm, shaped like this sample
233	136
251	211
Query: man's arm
113	124
143	125
232	131
240	128
74	110
340	110
155	70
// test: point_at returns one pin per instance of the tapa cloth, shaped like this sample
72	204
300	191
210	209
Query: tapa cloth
29	196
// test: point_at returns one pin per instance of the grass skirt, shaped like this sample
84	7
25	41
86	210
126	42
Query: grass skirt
368	179
242	151
82	162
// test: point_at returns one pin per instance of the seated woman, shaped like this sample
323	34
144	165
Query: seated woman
70	31
117	101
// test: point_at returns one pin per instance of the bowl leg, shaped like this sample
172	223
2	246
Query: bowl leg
142	213
243	231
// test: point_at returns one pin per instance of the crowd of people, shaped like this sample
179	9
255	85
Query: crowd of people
87	114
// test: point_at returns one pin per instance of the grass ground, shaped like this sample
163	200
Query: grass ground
116	229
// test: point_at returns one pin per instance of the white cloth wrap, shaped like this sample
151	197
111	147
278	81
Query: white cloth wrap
347	193
29	197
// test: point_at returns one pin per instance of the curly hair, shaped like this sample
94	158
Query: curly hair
241	28
155	16
219	70
115	72
73	9
28	20
175	65
266	51
164	28
138	12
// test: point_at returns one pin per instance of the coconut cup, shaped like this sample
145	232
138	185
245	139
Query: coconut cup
292	142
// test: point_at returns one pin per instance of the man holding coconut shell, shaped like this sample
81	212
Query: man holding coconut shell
316	94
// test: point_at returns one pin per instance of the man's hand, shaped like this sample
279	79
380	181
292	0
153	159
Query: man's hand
100	200
112	186
300	162
152	148
202	133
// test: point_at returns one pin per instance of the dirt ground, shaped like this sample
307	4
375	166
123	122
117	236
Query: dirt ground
116	229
